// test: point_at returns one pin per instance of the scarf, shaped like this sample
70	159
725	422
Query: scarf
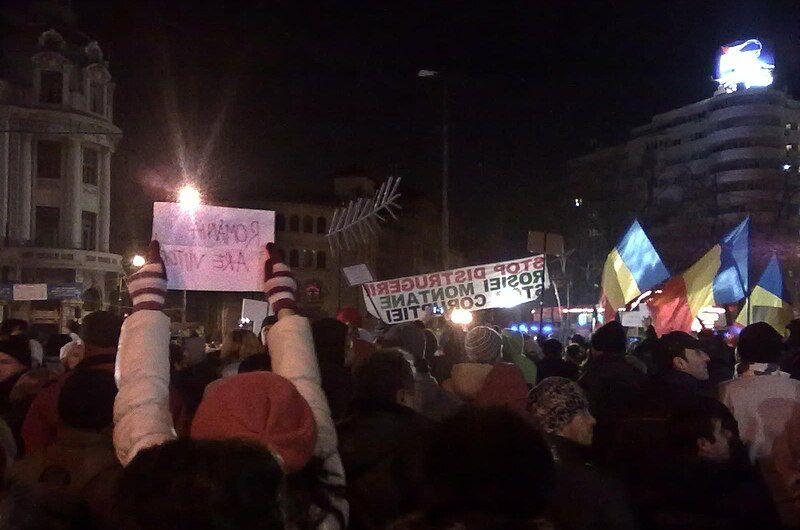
752	369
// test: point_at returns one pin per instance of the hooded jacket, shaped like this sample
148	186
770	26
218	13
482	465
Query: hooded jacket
487	385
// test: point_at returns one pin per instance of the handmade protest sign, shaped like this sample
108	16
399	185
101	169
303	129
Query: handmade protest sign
213	248
504	284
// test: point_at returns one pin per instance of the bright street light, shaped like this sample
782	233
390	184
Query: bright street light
461	316
427	73
189	197
137	260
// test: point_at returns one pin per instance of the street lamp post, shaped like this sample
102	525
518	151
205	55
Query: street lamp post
190	199
445	165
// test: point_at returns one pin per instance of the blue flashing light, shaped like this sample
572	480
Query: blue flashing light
523	328
547	328
514	327
534	328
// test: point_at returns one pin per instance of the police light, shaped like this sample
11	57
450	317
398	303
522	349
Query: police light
547	328
523	328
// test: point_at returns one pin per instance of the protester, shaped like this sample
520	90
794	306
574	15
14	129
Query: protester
76	477
483	469
484	380
645	351
721	359
52	350
682	367
238	345
361	342
330	344
766	404
430	399
142	419
379	438
557	405
575	355
101	331
553	364
514	352
704	485
790	359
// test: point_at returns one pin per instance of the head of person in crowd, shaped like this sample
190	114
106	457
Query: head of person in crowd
464	471
385	377
187	483
54	343
793	329
12	327
73	326
100	332
86	401
177	360
700	432
15	358
759	343
330	340
260	407
238	345
410	338
559	407
532	349
610	339
552	349
349	316
483	345
575	354
681	352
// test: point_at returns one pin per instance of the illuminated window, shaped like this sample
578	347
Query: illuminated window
789	147
48	160
578	202
90	166
294	224
787	167
788	126
51	85
280	222
308	224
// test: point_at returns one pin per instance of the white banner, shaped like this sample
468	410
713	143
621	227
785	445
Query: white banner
213	248
505	284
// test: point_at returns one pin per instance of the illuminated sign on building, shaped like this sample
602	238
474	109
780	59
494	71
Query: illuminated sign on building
744	64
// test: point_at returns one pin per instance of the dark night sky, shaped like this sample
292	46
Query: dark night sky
306	89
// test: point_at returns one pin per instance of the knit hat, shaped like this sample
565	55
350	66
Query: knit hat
610	338
554	402
759	343
408	337
101	329
262	407
483	345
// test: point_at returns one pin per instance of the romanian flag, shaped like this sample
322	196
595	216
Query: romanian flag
719	277
769	302
632	267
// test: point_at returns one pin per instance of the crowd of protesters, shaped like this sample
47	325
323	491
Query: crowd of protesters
422	425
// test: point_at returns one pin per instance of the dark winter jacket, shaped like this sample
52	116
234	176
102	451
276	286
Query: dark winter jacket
611	384
378	443
556	367
585	498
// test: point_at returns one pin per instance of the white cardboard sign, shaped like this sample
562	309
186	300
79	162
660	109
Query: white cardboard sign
358	274
213	248
256	311
30	291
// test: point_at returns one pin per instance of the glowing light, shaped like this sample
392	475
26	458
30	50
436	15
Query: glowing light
547	328
787	167
534	328
514	327
189	197
509	298
461	316
523	328
744	63
137	260
578	202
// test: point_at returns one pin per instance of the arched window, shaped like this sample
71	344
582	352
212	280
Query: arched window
322	225
294	258
294	224
280	222
321	259
308	259
308	224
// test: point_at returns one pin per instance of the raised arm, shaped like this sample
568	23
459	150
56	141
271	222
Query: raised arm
141	410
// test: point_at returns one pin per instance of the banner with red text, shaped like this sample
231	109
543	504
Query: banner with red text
505	284
213	248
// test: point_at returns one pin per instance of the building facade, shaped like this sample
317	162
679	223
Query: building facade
57	137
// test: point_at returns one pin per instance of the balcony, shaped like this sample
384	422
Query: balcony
55	258
739	111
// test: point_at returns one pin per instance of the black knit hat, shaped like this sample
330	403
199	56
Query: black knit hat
610	338
759	343
101	329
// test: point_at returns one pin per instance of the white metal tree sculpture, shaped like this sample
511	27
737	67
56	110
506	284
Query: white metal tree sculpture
357	222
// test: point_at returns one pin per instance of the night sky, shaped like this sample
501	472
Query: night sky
289	94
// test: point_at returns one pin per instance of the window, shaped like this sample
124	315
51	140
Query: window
98	98
48	160
789	147
47	218
578	202
294	224
90	166
294	260
322	225
321	259
308	224
89	231
51	87
308	259
280	222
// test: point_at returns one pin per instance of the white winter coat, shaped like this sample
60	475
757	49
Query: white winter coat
141	410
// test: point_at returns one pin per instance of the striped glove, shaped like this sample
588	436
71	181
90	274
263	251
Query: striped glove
148	285
279	283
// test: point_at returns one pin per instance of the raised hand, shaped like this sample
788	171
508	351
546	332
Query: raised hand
280	286
148	286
